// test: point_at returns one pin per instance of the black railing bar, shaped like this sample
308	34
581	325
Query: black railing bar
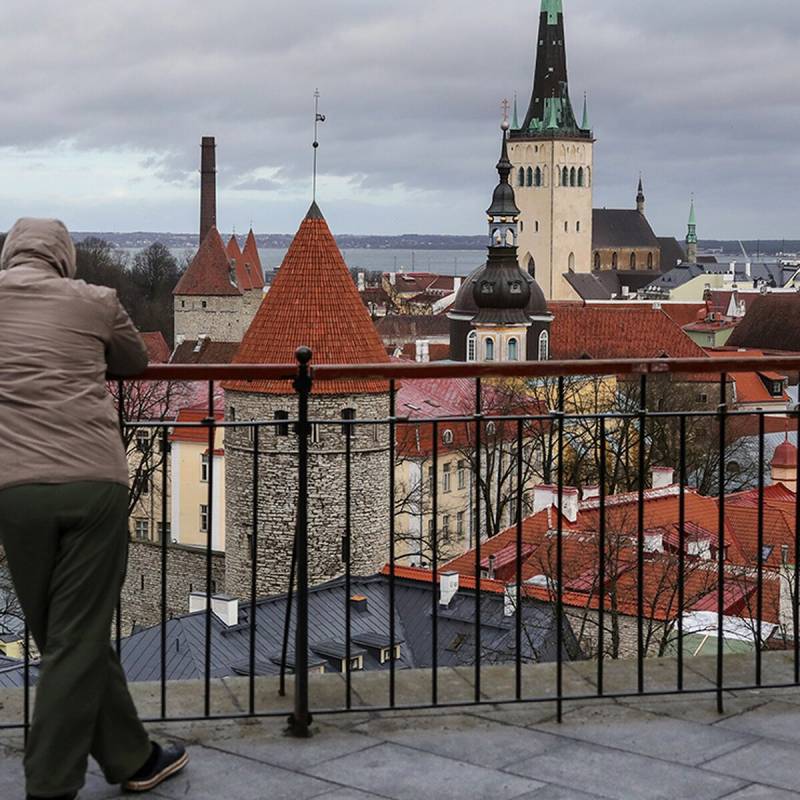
760	547
601	604
26	674
392	531
681	547
253	564
518	588
163	643
287	619
478	418
723	398
560	560
641	645
348	497
434	567
209	548
796	576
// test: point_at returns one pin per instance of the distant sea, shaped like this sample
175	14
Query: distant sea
442	262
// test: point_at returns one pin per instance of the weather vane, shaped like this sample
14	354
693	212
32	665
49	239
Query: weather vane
318	118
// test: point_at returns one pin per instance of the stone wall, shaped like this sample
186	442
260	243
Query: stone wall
644	257
278	488
186	572
224	319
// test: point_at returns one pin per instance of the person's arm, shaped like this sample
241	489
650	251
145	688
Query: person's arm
126	353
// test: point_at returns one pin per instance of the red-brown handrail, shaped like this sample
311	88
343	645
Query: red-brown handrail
443	369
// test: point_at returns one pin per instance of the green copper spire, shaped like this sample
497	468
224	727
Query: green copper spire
552	118
515	118
552	8
692	217
585	123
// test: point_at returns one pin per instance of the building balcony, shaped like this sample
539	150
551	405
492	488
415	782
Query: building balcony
613	627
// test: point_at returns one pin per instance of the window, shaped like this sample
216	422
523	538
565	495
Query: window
633	260
204	304
614	261
573	177
513	349
203	519
537	177
491	428
446	478
566	227
530	177
446	527
348	414
204	463
597	262
544	346
578	226
702	398
447	437
460	523
536	226
430	479
571	262
488	349
461	474
143	440
521	177
183	304
142	529
472	346
649	261
161	531
315	434
532	265
580	177
282	429
766	552
565	177
142	485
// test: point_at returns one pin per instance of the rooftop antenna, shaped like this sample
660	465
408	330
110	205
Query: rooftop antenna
318	118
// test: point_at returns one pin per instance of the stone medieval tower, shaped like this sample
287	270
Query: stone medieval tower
552	159
314	302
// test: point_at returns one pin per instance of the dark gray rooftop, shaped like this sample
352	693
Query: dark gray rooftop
621	228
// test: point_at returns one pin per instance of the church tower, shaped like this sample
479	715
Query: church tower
640	197
552	160
691	237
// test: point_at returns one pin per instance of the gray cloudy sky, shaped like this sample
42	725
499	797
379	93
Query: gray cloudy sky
103	104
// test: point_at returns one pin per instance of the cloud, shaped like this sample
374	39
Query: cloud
698	97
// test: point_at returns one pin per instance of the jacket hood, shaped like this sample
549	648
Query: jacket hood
40	242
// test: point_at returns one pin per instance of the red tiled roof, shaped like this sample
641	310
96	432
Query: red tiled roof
235	257
313	302
209	272
198	435
232	248
209	352
682	313
609	332
157	347
252	262
785	455
776	492
751	389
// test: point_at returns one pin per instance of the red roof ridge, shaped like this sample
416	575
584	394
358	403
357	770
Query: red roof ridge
209	273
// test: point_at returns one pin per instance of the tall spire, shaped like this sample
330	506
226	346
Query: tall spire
515	118
585	122
640	197
691	236
503	213
550	79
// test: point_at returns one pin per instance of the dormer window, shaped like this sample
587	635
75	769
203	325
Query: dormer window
516	287
487	287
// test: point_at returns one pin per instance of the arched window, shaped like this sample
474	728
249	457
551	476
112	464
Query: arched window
573	177
536	226
513	349
633	260
614	261
597	262
544	346
578	226
447	437
521	178
557	177
649	261
537	177
544	176
348	414
531	267
488	349
580	176
571	262
472	346
566	226
565	177
530	176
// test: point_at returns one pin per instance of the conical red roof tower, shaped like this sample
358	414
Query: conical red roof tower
313	302
237	259
209	274
232	248
252	262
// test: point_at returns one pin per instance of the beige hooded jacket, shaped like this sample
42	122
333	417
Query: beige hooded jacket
59	340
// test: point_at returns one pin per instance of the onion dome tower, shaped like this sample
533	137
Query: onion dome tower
313	302
500	312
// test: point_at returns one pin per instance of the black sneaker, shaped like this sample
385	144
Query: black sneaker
164	762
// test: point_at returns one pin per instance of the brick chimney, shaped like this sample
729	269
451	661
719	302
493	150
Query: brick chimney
208	186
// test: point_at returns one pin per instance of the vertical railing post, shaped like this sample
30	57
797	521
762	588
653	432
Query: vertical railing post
300	720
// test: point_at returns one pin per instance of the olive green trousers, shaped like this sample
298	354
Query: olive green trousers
67	546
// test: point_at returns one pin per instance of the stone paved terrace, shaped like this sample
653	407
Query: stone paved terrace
662	747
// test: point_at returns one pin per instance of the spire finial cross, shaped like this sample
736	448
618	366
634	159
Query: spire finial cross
506	106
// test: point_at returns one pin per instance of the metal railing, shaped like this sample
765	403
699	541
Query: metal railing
304	377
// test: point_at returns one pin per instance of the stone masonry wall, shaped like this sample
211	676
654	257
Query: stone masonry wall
186	572
277	507
224	319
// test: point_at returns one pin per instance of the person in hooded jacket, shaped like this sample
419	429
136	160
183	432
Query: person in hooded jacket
63	510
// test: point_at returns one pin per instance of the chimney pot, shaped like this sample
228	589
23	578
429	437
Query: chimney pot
661	477
448	587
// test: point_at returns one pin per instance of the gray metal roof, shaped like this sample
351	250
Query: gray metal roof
621	228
